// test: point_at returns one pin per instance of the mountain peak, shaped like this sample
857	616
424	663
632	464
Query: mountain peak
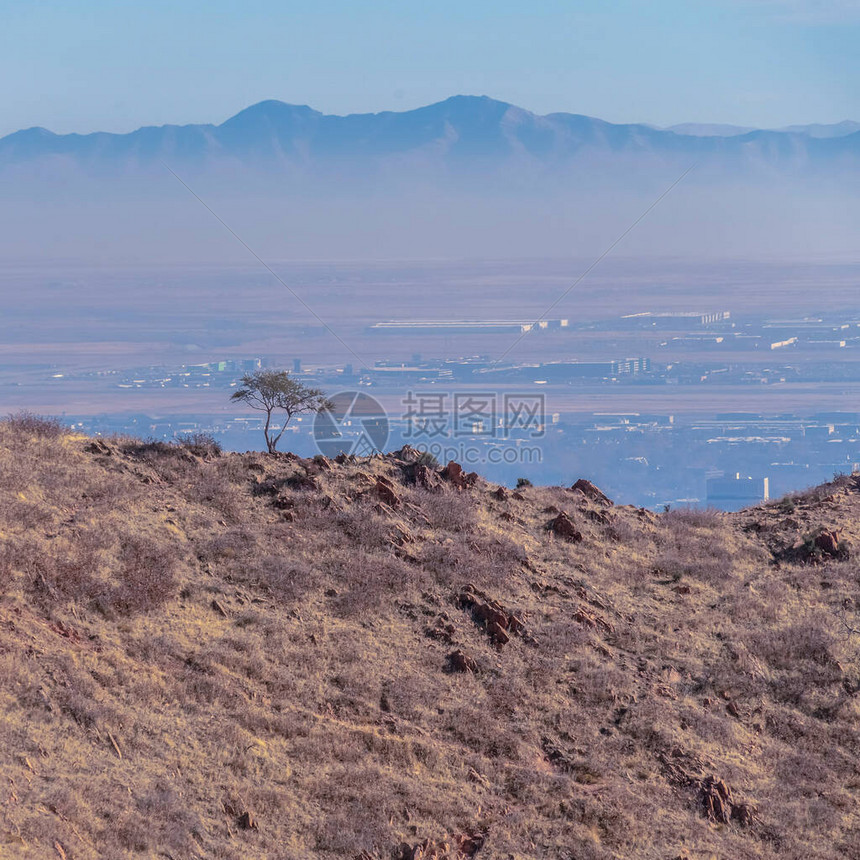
271	110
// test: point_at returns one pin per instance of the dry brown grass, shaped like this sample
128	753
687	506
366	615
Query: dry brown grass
188	636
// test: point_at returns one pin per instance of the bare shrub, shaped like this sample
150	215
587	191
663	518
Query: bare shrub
200	444
58	571
146	573
447	510
26	423
208	487
367	580
699	518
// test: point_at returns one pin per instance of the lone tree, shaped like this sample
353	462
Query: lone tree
273	391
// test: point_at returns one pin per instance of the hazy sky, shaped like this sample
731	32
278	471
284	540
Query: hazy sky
84	65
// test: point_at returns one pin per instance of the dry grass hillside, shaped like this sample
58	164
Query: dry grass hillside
245	656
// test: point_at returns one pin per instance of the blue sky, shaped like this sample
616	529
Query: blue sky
84	65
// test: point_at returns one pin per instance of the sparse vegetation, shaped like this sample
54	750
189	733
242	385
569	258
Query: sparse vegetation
230	656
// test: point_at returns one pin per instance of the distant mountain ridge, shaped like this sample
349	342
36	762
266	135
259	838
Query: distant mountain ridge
460	128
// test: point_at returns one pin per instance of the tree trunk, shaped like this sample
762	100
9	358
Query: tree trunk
271	444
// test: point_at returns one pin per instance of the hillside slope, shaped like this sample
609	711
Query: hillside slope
244	656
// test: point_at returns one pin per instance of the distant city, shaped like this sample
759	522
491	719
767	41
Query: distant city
670	457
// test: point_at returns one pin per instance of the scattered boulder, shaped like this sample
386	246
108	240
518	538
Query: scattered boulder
517	495
817	547
464	845
591	619
490	614
501	494
563	527
499	623
828	543
590	491
497	633
247	821
322	463
453	473
98	446
386	493
720	807
407	454
716	799
302	482
460	662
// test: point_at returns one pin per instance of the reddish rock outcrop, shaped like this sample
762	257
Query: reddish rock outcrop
719	806
563	527
386	493
590	491
460	662
453	473
828	543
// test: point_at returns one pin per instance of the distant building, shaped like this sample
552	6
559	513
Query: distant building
465	326
731	493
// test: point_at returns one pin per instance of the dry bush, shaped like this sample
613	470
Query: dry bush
147	575
368	581
448	510
26	423
200	444
208	487
58	571
699	518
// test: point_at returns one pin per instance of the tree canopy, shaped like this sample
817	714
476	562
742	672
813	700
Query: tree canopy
273	391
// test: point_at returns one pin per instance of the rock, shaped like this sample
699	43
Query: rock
247	821
563	527
459	662
516	625
590	491
591	619
490	615
828	543
517	495
386	493
408	454
216	605
497	633
97	446
743	814
453	473
501	494
716	799
323	463
719	806
463	845
302	482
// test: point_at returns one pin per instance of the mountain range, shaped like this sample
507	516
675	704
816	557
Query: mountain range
460	129
464	177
